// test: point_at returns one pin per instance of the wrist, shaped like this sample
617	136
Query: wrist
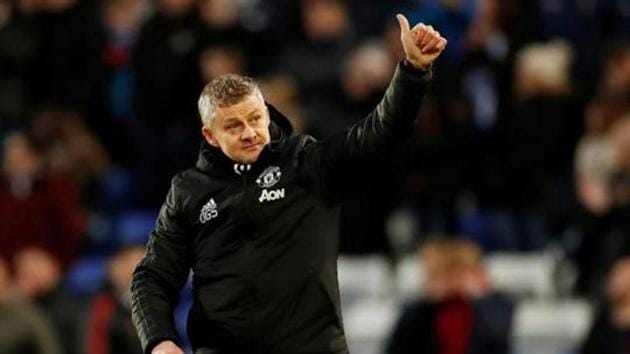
416	66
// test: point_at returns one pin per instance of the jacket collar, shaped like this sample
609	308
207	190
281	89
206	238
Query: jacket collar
213	161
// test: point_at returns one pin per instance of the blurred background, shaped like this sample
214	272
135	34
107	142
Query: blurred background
502	227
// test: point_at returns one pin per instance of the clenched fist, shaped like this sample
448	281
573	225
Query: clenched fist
422	44
167	347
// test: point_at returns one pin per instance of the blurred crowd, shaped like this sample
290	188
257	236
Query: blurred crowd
522	144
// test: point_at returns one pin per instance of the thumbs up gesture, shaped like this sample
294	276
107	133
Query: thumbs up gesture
422	44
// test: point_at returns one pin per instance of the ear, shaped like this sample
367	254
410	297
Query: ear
207	134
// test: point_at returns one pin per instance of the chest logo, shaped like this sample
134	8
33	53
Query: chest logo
209	211
270	196
269	177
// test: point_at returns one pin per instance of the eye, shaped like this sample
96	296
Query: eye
233	128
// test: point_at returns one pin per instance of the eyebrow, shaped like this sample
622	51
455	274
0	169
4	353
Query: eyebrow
254	111
230	120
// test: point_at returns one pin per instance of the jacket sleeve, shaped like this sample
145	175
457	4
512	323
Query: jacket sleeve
390	123
160	276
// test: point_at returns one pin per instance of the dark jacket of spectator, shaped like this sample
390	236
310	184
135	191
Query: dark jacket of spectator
454	326
604	337
24	330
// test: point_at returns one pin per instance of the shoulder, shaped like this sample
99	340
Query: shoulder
496	309
497	299
295	147
299	144
299	141
190	186
414	310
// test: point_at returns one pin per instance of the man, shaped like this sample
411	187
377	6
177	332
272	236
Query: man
255	220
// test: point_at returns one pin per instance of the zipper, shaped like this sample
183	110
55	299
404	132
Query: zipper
257	330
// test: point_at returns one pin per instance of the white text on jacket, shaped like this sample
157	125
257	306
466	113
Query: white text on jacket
269	196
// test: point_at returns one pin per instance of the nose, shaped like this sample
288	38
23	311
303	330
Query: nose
248	133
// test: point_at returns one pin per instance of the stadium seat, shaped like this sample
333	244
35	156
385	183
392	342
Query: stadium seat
368	324
117	186
522	275
134	227
550	327
363	277
409	275
101	232
86	276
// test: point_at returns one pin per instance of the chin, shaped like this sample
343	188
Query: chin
249	159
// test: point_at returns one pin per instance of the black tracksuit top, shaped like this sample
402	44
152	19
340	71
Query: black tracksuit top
262	241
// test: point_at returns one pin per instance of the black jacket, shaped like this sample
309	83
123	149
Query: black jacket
262	242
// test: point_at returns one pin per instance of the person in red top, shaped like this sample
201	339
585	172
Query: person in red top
36	210
460	313
109	326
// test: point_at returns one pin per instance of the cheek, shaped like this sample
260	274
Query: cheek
231	144
264	133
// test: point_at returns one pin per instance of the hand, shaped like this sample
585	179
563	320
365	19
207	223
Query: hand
422	44
167	347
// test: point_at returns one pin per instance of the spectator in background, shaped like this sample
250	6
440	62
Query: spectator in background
165	61
602	170
282	91
603	177
17	54
221	17
460	313
539	134
38	279
216	60
67	57
590	27
72	152
313	62
37	209
365	77
595	155
109	328
111	114
594	164
486	82
366	72
221	25
23	329
616	76
610	331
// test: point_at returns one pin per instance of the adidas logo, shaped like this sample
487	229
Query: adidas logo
209	211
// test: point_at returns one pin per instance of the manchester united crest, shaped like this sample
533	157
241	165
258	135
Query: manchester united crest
269	177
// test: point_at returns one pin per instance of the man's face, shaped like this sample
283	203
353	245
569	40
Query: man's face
241	131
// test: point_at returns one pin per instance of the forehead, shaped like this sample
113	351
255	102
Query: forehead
249	104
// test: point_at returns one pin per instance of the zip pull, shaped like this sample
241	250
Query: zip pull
240	169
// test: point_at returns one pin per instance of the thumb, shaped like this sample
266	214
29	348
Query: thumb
404	24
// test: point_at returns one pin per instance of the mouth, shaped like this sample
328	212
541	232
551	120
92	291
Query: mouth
252	147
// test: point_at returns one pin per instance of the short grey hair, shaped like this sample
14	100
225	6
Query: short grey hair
224	91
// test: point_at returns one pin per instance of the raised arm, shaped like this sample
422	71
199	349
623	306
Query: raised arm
393	119
159	278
